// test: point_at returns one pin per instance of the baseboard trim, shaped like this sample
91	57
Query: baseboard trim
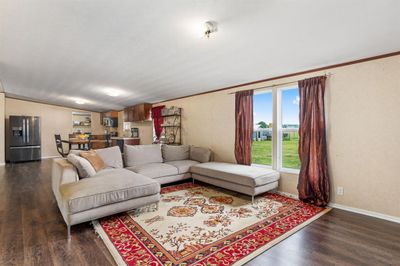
365	212
50	157
351	209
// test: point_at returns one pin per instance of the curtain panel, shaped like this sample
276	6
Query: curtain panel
244	126
158	120
313	185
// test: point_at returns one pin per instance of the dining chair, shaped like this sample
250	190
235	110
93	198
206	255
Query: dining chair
59	145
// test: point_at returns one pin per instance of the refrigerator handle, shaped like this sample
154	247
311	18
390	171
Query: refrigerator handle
28	137
23	129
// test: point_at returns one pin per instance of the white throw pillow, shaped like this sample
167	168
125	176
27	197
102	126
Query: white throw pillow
141	154
85	168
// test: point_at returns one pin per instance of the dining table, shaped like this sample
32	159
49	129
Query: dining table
83	144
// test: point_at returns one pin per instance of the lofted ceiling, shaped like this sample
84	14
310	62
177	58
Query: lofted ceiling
151	50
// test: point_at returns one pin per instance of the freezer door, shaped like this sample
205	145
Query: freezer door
32	130
17	131
27	153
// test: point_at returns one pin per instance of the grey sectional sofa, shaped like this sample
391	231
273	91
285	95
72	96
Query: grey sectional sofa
83	194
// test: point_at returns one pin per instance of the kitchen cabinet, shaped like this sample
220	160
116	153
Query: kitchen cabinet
138	113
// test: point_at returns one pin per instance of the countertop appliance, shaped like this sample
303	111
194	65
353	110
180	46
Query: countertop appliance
24	142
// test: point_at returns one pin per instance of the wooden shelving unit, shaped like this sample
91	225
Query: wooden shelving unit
172	128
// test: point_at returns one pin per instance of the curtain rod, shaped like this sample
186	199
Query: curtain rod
282	84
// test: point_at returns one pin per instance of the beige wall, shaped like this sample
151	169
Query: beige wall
362	109
2	129
54	119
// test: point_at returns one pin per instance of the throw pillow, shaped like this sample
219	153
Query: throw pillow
199	154
94	159
175	153
85	169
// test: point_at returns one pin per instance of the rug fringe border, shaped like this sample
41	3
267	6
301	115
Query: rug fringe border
110	246
279	239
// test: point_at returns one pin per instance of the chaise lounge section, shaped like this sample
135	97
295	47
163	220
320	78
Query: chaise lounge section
245	179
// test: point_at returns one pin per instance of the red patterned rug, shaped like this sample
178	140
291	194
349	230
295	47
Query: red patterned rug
203	225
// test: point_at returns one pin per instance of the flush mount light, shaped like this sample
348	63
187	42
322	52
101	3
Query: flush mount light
112	92
210	27
79	101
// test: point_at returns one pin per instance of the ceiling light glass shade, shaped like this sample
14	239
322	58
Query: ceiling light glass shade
113	92
80	102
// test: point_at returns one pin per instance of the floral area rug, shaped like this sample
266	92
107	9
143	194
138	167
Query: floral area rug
203	225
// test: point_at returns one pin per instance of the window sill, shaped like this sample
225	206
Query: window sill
289	171
262	165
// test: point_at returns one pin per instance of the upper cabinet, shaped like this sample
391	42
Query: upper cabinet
109	119
138	113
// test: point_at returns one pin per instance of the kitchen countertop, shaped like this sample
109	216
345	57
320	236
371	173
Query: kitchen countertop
123	138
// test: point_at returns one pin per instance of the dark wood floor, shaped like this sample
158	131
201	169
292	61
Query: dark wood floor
32	231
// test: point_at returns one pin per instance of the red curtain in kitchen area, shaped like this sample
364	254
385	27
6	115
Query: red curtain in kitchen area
158	120
313	183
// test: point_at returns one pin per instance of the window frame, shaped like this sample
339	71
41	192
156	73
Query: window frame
277	151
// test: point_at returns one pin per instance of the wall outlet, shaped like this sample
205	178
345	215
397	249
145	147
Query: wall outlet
340	191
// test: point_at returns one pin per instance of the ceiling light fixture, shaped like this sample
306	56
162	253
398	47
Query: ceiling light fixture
113	92
210	27
80	101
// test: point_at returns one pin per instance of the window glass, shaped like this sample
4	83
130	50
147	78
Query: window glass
262	134
290	128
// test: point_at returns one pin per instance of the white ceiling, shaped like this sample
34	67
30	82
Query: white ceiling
57	51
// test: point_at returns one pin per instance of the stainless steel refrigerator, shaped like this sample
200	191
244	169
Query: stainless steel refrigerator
24	142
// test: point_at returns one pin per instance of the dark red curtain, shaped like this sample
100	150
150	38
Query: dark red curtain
158	120
244	126
313	183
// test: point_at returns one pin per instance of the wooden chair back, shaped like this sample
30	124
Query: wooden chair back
59	145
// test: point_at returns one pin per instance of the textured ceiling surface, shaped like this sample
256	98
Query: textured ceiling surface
61	51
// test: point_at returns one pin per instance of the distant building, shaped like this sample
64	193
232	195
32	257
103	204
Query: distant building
290	126
262	134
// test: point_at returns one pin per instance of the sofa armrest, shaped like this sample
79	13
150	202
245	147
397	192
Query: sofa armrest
62	173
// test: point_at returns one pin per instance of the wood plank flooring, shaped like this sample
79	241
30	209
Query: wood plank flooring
32	231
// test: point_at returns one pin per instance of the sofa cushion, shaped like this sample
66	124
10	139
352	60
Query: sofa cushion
106	187
142	154
183	165
174	152
112	157
200	154
154	170
236	173
84	167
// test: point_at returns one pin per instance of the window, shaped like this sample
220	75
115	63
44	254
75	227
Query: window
261	150
280	105
289	138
